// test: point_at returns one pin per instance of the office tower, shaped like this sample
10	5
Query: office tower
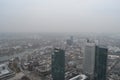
70	40
100	63
58	64
95	62
89	59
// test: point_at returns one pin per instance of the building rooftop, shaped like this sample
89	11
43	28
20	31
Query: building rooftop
18	76
5	72
3	69
79	77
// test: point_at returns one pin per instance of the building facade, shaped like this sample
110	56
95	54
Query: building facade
58	64
100	63
95	62
89	59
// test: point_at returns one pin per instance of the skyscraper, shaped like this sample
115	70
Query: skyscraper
100	63
58	64
89	59
70	41
95	61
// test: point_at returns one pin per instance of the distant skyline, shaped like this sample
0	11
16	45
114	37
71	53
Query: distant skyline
101	16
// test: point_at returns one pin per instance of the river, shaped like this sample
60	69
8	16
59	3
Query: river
5	58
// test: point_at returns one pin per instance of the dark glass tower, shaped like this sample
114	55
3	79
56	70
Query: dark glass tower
100	63
58	64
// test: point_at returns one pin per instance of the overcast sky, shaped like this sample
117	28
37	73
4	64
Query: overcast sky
60	16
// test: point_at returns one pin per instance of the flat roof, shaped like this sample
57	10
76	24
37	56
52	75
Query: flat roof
81	76
3	72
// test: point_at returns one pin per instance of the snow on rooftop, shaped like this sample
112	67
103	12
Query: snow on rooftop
4	69
3	72
79	77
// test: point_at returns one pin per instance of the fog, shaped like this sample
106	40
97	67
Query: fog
102	16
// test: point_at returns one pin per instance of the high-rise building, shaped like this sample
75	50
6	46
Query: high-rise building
100	63
58	64
89	59
95	61
71	38
70	41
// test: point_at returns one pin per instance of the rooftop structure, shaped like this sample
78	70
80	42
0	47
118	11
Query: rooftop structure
79	77
5	72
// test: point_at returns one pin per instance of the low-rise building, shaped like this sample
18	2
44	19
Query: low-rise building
5	72
80	77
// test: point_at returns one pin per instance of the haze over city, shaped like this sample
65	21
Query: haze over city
59	40
102	16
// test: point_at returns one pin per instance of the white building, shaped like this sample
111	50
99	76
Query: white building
89	58
79	77
5	72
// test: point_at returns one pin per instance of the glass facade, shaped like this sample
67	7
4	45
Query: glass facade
100	63
58	64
